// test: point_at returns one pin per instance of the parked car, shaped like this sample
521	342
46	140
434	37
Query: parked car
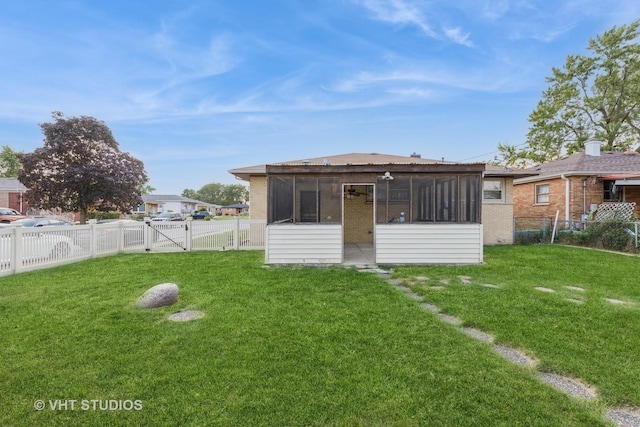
168	216
8	215
201	215
42	222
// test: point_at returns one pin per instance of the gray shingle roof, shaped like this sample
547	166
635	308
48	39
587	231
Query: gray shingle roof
608	162
11	184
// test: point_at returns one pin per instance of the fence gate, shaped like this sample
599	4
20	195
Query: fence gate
168	236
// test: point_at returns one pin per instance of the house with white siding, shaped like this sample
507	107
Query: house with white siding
406	210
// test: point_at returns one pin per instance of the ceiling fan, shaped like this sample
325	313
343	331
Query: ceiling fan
351	192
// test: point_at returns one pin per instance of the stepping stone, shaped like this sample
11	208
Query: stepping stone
445	281
479	335
402	288
541	289
569	385
575	301
421	278
489	285
372	270
450	319
515	356
575	288
625	417
185	316
430	307
414	296
436	288
465	279
395	282
615	301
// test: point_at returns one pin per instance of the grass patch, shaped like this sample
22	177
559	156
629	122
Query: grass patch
573	332
278	346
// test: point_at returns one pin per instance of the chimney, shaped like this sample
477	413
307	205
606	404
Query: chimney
592	148
416	155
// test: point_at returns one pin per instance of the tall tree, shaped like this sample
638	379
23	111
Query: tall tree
190	194
9	162
81	167
235	193
219	194
594	97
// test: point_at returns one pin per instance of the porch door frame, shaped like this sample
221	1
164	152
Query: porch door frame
345	186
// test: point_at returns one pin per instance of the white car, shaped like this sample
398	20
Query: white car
168	216
37	245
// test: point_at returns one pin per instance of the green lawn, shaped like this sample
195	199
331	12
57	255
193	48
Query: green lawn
310	346
573	332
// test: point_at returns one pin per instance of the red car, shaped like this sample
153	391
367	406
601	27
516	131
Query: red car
8	215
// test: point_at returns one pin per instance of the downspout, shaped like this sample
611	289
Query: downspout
567	193
584	200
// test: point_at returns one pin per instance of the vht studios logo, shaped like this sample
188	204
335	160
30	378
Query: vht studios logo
88	405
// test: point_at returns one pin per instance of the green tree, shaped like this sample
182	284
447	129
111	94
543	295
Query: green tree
235	193
219	194
190	194
146	189
211	193
80	167
9	162
595	97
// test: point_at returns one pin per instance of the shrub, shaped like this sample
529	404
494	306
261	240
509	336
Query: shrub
612	234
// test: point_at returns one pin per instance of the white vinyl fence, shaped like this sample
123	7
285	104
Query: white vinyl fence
31	248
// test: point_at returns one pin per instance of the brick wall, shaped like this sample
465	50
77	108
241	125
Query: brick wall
358	220
258	197
580	197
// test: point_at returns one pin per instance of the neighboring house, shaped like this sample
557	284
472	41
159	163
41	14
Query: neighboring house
156	204
235	209
576	184
12	194
410	210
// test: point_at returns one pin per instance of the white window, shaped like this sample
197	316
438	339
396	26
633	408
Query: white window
542	193
493	190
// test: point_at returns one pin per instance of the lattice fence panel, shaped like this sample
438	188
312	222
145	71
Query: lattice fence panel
613	210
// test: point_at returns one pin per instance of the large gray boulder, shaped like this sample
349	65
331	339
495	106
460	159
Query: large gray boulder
159	296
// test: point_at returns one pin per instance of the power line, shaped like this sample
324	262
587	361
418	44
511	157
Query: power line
488	154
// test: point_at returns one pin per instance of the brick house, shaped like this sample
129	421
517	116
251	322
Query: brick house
408	210
12	194
576	184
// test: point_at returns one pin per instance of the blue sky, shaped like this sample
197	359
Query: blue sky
195	88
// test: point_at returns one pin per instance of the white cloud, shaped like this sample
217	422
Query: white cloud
398	12
455	34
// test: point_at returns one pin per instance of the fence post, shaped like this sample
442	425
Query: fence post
188	233
147	233
16	258
236	233
93	238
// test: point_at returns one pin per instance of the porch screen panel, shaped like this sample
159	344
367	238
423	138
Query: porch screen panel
469	195
423	199
382	190
394	200
280	199
330	198
446	194
306	200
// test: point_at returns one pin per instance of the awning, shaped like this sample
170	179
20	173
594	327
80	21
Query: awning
627	182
